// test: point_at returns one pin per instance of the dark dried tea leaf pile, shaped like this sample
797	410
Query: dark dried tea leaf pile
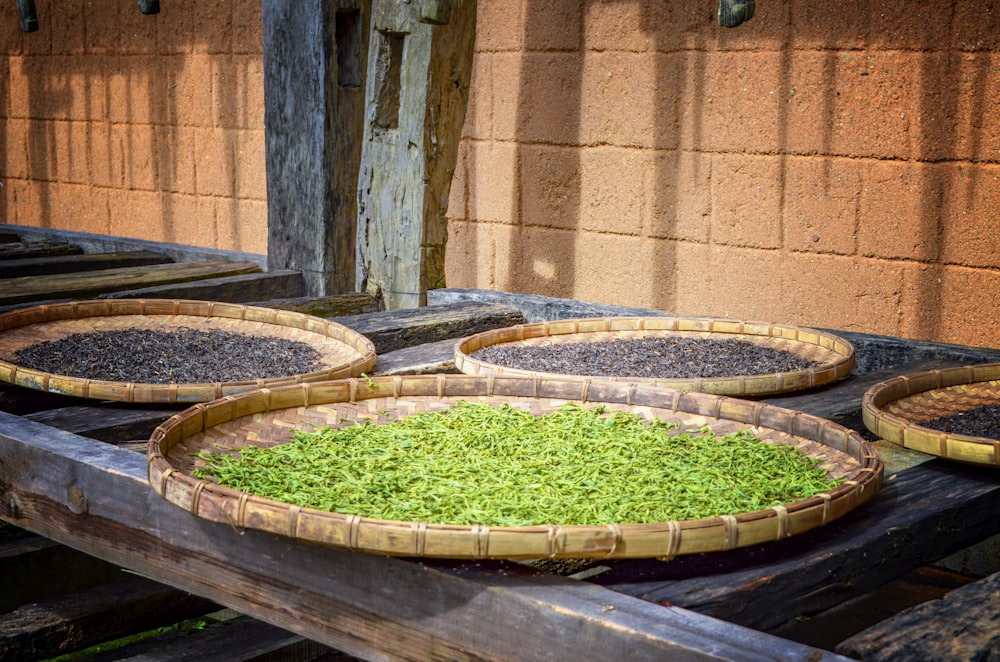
476	464
979	422
669	357
182	356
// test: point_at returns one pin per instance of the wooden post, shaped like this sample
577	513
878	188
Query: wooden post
314	82
419	65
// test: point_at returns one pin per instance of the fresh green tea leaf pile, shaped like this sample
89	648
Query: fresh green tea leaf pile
476	464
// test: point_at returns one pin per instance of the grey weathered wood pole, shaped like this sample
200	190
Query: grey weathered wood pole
315	55
419	65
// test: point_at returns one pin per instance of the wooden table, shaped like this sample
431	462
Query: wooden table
90	493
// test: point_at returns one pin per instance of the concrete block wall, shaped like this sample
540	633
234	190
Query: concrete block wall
827	164
831	164
118	123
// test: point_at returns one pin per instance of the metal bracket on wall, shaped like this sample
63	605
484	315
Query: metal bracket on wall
735	12
29	17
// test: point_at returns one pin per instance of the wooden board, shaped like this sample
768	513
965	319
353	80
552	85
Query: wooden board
87	285
329	307
36	249
964	626
394	330
243	288
95	497
41	266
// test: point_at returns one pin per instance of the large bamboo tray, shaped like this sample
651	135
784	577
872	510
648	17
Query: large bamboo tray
269	416
894	409
344	353
833	355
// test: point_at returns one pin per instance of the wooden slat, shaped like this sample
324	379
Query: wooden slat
37	249
334	305
406	328
86	285
69	622
75	263
95	497
232	289
110	424
964	626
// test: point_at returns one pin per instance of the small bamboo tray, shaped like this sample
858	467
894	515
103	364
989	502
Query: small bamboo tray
894	409
269	416
834	356
344	353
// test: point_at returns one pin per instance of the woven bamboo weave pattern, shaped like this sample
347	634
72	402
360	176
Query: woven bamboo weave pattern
834	357
270	416
343	352
895	408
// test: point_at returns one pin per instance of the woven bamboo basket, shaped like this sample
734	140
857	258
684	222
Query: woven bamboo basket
269	416
343	352
833	356
894	410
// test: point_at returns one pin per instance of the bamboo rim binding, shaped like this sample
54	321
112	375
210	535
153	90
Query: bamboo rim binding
344	352
834	357
894	410
268	416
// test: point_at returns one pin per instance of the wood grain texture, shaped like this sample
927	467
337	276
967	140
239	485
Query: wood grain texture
243	288
415	104
314	53
92	284
41	266
964	626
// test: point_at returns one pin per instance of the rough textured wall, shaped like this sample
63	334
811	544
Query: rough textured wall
827	163
138	126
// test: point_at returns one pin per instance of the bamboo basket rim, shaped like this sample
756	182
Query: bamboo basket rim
893	410
345	352
238	418
834	355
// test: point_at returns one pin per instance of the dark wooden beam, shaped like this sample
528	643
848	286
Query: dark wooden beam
314	75
43	266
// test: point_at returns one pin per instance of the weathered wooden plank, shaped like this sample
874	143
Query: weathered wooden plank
95	497
36	249
232	289
75	263
101	243
131	604
964	626
9	237
231	640
315	54
405	328
79	286
105	423
334	305
425	359
419	64
922	515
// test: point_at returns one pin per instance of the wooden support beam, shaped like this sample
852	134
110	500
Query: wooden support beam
61	264
314	78
419	66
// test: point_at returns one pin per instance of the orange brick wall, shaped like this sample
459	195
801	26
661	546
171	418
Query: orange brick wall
832	164
138	126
